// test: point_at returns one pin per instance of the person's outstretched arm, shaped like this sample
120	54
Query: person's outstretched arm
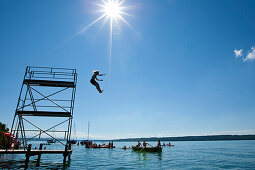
99	79
101	74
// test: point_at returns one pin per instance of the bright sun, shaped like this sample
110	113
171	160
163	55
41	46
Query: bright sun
112	9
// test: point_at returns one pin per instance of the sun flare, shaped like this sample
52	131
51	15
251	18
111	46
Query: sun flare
112	9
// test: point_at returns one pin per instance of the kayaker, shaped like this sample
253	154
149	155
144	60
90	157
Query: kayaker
144	144
94	78
111	146
139	144
159	144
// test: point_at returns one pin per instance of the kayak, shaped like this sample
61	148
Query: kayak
148	149
98	147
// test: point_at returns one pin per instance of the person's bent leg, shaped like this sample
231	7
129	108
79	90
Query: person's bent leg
98	88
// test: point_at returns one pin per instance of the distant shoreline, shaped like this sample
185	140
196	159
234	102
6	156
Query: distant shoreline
183	138
192	138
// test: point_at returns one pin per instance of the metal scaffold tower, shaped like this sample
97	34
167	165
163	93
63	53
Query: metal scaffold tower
45	92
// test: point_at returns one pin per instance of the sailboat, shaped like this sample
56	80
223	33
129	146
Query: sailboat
85	142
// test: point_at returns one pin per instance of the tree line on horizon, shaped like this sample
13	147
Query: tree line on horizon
193	138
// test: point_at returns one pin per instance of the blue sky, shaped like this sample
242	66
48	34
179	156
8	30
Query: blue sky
186	67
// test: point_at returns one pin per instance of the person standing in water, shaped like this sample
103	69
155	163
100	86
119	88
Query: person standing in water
94	78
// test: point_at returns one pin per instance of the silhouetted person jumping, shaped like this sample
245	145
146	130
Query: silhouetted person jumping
94	78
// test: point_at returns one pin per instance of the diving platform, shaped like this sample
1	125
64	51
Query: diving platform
46	92
48	83
44	113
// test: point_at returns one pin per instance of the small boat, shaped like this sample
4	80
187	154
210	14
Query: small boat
147	149
51	141
83	142
170	145
125	148
95	146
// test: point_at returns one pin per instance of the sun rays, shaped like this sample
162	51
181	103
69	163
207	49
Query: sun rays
112	12
111	9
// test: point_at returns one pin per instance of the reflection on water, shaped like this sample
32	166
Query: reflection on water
149	159
142	156
184	155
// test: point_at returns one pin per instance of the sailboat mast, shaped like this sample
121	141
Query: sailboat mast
88	129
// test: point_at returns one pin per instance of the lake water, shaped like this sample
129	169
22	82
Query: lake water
184	155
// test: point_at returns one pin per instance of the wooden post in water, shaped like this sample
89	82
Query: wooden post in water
65	154
69	155
39	155
28	155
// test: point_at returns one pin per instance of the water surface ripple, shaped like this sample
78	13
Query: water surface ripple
184	155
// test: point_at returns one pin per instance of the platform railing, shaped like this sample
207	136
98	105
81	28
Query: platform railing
50	73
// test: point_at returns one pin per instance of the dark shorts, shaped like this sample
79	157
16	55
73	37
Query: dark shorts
92	81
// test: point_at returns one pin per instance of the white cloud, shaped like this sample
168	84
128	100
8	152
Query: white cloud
238	53
251	55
